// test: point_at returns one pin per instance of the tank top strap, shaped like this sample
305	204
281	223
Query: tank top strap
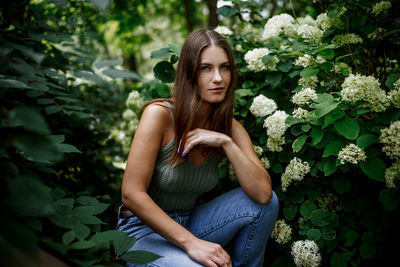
171	111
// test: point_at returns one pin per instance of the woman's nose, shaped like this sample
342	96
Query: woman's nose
217	76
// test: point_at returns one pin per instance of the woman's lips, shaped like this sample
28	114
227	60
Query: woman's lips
217	90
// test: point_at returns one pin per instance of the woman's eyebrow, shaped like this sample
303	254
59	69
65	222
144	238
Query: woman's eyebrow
206	63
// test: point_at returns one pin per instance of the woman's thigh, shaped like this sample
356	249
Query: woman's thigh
171	255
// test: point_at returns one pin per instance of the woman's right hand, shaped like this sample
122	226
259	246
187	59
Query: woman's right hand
208	253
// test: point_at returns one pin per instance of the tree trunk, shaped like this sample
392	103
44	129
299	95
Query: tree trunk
188	15
212	15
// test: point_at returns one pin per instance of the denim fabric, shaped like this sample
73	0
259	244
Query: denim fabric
231	218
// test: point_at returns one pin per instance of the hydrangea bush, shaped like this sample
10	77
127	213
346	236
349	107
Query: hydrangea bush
320	98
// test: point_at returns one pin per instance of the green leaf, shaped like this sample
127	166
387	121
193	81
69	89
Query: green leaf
90	210
52	109
123	243
101	5
140	257
320	217
67	148
37	148
227	11
290	212
83	244
176	48
330	166
10	83
29	119
162	90
366	140
328	233
163	53
124	74
340	259
347	127
68	237
164	71
307	208
62	221
327	53
341	185
244	92
374	168
316	134
299	142
309	72
350	237
88	219
44	101
326	103
273	78
100	64
333	116
333	11
81	231
389	199
333	148
88	75
86	200
284	66
391	79
108	236
368	250
314	234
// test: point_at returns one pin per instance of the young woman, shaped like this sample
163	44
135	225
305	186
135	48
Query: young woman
174	159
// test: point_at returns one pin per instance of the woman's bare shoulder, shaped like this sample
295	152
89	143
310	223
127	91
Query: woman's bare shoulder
157	111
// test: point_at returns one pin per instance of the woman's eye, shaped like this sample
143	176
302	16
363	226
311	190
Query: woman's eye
205	68
225	67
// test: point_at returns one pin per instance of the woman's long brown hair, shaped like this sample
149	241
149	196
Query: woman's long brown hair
186	99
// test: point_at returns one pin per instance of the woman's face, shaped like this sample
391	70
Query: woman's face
214	75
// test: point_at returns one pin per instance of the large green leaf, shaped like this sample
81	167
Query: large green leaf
374	168
29	119
330	166
317	134
307	208
309	72
123	243
314	234
366	140
299	143
81	231
333	148
91	210
290	211
11	83
320	217
227	11
389	199
164	71
348	127
37	148
125	74
273	78
140	257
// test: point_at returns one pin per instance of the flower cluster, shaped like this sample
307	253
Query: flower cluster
323	21
309	32
381	7
223	30
351	153
262	106
304	96
258	150
310	82
278	24
135	101
295	171
390	138
367	88
265	162
392	174
255	62
306	20
378	34
275	144
348	38
304	61
282	232
305	253
394	95
276	124
300	113
340	66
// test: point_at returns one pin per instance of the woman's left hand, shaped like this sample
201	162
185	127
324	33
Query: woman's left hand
202	137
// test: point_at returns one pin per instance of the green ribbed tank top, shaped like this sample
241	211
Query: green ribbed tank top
179	187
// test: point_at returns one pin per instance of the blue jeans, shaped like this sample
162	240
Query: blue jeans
231	218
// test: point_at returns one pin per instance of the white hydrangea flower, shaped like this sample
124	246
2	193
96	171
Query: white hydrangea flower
254	60
304	96
378	34
311	33
390	138
262	106
276	124
392	174
283	23
306	20
295	171
135	101
300	113
305	253
348	38
304	61
397	84
341	65
282	232
367	88
323	21
394	96
129	115
381	8
258	150
265	162
320	59
352	154
223	30
310	82
275	144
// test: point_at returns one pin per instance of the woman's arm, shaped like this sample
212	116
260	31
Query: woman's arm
142	157
252	176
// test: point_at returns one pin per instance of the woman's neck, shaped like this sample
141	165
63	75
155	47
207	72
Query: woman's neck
202	114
